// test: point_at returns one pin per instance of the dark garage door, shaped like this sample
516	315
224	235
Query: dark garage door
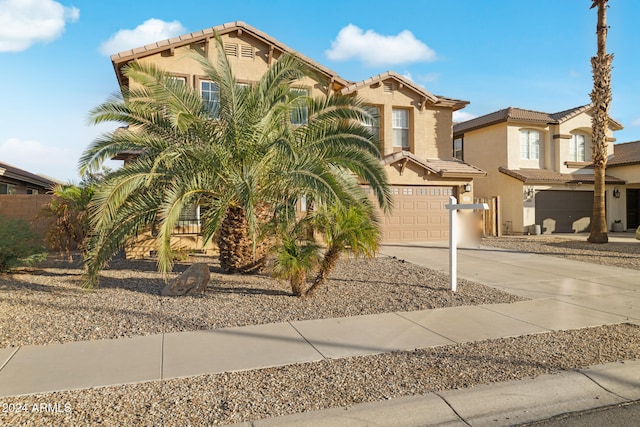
564	211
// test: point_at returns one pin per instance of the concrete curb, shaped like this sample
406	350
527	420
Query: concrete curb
501	404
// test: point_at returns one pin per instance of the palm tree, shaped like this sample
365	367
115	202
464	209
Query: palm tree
352	228
601	98
238	165
68	211
295	257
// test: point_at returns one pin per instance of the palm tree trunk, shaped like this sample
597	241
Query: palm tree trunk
329	262
601	98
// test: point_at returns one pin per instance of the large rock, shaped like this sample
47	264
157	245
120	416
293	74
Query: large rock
192	281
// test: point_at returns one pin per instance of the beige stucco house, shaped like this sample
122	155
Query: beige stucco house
625	164
539	164
415	126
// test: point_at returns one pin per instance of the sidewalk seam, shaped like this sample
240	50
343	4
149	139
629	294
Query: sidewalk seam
452	408
581	371
426	329
307	341
10	358
486	307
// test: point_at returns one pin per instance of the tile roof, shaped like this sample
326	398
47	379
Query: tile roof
208	33
456	104
544	176
16	173
443	168
625	154
520	115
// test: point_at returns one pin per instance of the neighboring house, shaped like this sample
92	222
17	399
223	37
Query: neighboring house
415	126
539	164
14	180
625	164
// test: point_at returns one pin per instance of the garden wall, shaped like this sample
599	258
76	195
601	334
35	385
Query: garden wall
26	207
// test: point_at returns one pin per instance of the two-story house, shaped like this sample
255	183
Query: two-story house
415	126
539	164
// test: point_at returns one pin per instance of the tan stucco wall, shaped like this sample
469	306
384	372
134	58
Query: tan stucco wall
483	149
246	70
430	127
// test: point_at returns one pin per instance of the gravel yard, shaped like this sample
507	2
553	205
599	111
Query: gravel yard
44	305
618	254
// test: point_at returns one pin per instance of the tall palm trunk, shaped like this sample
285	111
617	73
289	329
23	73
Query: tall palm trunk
236	246
601	98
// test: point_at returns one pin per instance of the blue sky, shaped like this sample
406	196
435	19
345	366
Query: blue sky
533	54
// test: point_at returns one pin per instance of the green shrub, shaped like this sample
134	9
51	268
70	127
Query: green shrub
19	244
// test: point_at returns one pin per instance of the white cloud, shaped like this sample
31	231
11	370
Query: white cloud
151	30
375	49
35	157
462	116
25	22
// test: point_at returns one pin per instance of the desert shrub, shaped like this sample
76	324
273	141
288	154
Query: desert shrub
19	244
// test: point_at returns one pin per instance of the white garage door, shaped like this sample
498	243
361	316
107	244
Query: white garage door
419	214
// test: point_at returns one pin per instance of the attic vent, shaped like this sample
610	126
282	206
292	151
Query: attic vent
388	87
247	51
231	49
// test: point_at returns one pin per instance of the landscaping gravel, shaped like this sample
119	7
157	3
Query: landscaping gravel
45	305
616	254
243	396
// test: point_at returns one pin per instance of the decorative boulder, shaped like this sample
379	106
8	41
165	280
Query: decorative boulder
192	281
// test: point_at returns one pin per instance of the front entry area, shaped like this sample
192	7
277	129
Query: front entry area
419	214
633	208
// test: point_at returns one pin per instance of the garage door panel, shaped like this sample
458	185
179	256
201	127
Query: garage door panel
419	214
564	211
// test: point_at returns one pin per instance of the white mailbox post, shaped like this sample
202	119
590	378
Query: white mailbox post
453	235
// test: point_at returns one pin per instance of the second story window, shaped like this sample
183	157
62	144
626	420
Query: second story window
529	144
373	123
210	93
400	123
457	149
577	148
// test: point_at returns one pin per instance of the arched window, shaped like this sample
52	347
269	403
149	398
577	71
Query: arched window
529	144
577	148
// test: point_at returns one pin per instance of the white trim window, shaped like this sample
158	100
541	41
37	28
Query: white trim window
210	92
577	148
457	149
400	124
372	123
529	144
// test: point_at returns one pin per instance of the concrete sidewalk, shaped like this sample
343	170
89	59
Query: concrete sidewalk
566	294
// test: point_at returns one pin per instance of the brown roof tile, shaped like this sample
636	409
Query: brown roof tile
443	168
521	115
194	37
16	173
456	104
625	154
544	176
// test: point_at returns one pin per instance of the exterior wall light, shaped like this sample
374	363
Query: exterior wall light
616	193
466	188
